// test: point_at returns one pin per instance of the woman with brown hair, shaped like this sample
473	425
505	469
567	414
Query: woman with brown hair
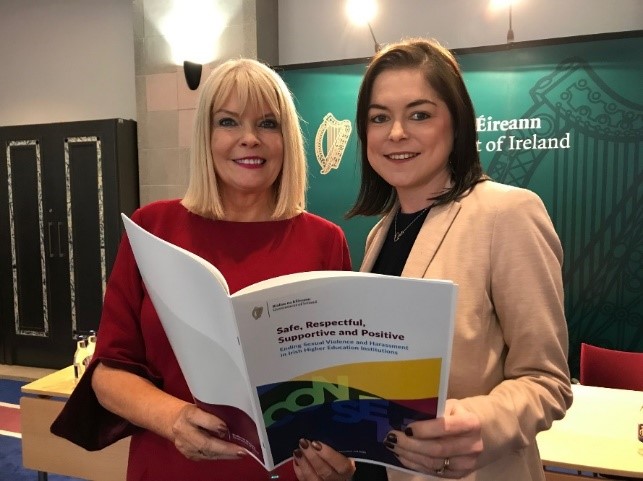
444	219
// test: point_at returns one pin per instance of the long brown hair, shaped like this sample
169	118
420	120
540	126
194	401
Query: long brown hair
442	72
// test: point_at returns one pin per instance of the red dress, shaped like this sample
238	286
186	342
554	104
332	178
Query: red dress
131	337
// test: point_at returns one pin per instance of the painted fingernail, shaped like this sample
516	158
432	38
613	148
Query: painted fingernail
408	432
316	445
303	443
389	445
297	453
391	438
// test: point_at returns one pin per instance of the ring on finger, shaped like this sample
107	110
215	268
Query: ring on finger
444	467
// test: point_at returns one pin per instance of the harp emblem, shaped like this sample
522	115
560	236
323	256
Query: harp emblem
337	133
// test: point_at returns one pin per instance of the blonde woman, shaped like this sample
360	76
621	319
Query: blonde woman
244	213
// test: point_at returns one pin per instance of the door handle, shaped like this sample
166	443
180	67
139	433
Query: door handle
49	225
60	249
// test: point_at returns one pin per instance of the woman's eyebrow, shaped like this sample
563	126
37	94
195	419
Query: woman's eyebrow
410	105
225	111
417	102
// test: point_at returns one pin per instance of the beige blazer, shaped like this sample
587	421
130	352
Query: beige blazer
509	362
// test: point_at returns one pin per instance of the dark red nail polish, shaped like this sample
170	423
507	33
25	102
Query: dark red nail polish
303	443
408	432
297	453
391	438
316	445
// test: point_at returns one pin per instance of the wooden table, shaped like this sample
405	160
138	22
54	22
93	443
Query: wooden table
41	402
598	434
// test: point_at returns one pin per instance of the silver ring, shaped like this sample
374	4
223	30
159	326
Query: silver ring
445	466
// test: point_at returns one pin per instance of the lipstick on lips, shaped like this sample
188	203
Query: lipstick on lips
250	162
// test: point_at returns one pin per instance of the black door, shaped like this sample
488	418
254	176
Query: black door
66	185
32	249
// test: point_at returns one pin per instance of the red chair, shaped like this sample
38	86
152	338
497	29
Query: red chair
611	368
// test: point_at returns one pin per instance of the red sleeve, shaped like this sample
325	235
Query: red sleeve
120	344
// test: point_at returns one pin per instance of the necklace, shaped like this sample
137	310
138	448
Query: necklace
397	235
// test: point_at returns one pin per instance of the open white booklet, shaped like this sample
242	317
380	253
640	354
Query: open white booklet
335	356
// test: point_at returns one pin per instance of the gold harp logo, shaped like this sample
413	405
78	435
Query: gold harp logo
337	133
256	312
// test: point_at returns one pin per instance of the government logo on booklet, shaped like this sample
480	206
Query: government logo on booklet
257	312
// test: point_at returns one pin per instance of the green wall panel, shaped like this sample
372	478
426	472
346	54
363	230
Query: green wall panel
319	91
585	103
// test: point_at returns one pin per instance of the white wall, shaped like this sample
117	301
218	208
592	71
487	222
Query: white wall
319	30
66	60
63	60
165	105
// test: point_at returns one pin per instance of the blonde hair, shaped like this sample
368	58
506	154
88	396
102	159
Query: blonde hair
256	85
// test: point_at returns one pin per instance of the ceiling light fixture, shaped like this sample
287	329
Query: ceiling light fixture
192	72
377	45
510	32
362	12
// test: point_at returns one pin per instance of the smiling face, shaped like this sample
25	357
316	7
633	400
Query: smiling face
247	150
409	136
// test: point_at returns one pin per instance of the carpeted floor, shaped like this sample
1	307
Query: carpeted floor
11	468
10	391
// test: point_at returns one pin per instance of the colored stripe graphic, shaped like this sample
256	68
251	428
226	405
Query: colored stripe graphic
386	380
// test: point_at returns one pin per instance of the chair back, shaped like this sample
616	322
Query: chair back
604	367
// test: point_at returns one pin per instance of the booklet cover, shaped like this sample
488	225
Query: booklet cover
335	356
